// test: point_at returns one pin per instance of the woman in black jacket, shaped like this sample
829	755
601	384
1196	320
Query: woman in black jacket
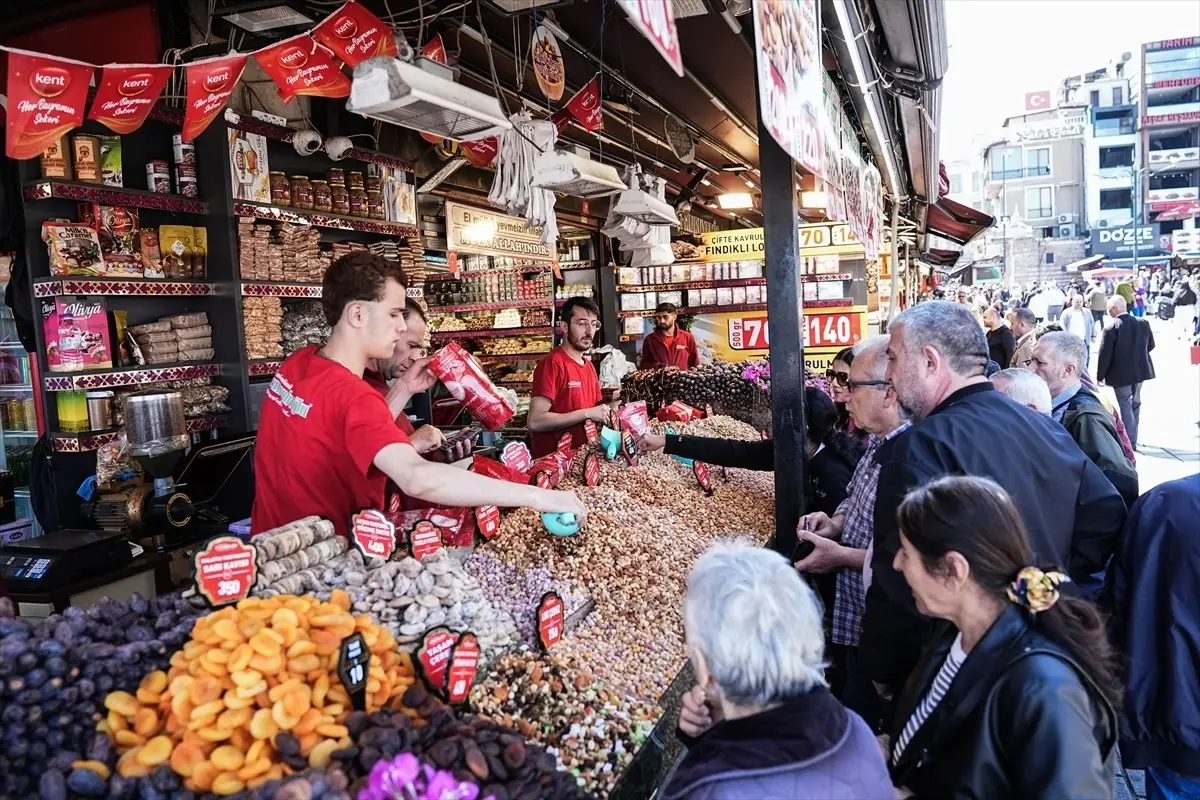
1015	695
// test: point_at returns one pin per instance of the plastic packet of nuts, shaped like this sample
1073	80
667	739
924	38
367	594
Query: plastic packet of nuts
456	525
466	380
494	469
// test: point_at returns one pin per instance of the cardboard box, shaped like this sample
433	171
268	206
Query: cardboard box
76	333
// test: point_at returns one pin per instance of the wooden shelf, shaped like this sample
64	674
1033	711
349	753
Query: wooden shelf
56	189
543	302
492	333
280	289
577	265
122	287
93	440
264	368
672	287
109	379
511	357
480	273
266	211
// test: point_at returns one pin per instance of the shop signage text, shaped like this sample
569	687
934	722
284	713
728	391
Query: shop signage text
1057	130
1171	44
833	329
1161	119
739	245
473	230
790	85
1120	241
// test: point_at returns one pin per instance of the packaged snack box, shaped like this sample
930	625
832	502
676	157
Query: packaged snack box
76	333
74	249
175	243
117	229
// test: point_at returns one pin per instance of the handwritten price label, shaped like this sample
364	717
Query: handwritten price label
425	540
551	616
373	534
487	520
516	455
591	470
225	570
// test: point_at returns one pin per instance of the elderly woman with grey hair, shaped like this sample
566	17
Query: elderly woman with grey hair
761	722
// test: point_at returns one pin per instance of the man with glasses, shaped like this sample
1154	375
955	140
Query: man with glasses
843	542
566	388
668	345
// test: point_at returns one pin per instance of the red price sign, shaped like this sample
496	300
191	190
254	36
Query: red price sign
591	470
708	409
225	570
373	534
839	329
656	21
516	455
487	519
464	662
425	540
434	656
564	443
629	448
542	479
590	431
747	333
702	477
551	616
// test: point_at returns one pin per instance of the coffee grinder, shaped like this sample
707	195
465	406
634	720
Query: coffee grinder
156	431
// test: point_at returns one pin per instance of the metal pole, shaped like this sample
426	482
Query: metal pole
1137	218
1004	217
785	326
894	305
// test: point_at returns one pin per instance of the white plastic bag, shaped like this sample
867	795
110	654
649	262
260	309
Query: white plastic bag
614	367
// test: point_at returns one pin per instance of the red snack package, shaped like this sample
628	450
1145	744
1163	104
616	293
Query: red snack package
461	374
456	525
494	469
678	411
635	417
556	465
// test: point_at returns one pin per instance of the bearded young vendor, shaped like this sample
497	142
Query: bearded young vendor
327	440
669	345
405	371
566	388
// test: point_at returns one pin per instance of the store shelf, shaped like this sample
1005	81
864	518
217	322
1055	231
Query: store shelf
55	189
511	357
672	287
264	367
15	387
93	440
244	208
576	265
480	273
280	133
122	287
492	333
280	289
699	310
22	434
542	302
109	379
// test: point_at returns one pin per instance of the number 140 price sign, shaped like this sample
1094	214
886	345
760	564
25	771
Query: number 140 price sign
838	329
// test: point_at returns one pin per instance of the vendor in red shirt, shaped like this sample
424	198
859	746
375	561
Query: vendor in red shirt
327	441
405	373
669	345
566	389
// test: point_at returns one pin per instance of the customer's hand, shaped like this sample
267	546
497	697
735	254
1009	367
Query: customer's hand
651	443
695	717
825	556
818	522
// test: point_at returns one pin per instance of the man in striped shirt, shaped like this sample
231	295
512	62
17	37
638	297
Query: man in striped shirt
842	542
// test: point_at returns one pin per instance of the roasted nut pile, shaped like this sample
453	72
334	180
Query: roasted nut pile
54	674
251	672
409	597
591	729
518	591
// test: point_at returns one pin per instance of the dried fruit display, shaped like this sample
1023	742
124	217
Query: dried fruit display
255	689
720	383
518	591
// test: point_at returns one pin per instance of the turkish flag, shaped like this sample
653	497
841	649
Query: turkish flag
1037	101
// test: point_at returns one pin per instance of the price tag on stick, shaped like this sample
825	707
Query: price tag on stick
225	570
702	477
433	657
591	470
464	662
373	534
487	520
516	455
425	539
551	617
564	443
591	431
629	448
354	661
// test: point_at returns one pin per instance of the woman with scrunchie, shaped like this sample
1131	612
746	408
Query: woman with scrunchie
1015	695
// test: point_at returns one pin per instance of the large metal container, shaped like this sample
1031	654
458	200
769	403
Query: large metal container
156	430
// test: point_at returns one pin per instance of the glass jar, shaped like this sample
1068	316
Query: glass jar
354	180
281	190
374	204
373	182
336	175
358	203
339	199
322	199
302	193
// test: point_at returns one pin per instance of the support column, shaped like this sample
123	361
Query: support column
785	326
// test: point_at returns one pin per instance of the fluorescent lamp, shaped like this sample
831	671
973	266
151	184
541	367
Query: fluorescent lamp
730	200
256	16
480	231
814	199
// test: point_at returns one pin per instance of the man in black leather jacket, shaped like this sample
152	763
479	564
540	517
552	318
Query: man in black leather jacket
963	426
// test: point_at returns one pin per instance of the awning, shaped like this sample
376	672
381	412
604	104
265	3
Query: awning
955	221
1107	272
941	258
1084	263
1185	209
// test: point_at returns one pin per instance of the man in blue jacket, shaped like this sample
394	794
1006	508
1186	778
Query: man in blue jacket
962	426
1150	590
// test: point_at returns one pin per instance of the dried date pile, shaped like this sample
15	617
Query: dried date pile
719	383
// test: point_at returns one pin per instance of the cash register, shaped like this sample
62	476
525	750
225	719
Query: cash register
62	558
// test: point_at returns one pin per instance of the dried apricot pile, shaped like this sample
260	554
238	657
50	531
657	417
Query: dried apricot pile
249	672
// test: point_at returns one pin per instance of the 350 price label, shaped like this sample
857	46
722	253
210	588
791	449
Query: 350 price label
225	570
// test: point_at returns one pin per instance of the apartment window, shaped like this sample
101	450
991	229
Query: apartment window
976	182
956	184
1182	62
1095	98
1113	126
1049	258
1037	162
1172	180
1116	199
1039	202
1006	163
1116	95
1046	233
1116	157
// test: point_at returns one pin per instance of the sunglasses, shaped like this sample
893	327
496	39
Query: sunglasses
852	385
840	378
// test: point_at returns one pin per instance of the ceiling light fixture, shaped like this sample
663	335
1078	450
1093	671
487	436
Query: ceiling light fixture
730	200
258	16
814	199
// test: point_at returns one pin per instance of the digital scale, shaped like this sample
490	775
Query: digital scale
61	558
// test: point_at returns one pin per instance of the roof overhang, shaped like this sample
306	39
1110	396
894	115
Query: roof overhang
954	221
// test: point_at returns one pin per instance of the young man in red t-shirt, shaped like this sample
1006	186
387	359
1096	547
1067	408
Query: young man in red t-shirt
668	345
566	389
327	441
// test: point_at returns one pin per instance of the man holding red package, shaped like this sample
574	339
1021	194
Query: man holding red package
566	388
327	440
669	345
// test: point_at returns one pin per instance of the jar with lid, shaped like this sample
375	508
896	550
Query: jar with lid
374	204
373	182
322	199
302	193
336	176
358	202
281	190
339	199
354	180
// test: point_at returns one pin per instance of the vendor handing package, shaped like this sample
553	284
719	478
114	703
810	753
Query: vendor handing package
327	440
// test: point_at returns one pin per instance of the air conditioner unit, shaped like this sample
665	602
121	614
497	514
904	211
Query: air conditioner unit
1066	231
424	98
1066	219
568	173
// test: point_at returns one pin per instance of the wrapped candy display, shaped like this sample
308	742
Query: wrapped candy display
466	380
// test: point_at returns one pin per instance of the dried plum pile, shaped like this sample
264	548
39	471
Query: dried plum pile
54	674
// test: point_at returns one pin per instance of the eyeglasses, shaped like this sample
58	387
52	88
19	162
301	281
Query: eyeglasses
586	324
852	385
840	378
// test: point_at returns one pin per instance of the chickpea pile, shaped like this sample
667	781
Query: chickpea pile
249	672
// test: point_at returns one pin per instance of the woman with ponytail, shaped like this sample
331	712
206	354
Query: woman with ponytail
1015	695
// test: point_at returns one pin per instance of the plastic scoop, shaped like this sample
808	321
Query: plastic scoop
611	441
564	524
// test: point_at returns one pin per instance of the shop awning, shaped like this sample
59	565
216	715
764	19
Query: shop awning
955	221
1084	263
1185	209
941	258
1107	272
